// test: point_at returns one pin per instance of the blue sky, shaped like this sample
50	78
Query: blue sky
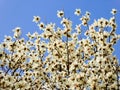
20	13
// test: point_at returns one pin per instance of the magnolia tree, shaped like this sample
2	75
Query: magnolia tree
60	58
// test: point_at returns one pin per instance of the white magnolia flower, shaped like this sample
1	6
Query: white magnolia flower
36	19
60	14
77	12
17	32
41	25
66	22
78	28
114	11
7	38
87	13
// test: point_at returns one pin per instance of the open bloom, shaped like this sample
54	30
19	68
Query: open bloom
78	28
114	11
36	19
17	32
77	12
41	25
60	14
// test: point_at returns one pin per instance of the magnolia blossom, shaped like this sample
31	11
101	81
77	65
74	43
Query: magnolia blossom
36	19
41	25
77	12
60	14
78	28
114	11
17	32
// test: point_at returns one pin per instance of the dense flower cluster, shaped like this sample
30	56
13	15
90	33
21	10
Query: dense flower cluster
58	59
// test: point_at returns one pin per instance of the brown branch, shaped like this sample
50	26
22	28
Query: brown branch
67	55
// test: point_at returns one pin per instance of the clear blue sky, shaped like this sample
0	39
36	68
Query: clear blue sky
20	13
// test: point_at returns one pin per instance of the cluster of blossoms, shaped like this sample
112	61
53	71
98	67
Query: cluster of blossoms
58	59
